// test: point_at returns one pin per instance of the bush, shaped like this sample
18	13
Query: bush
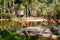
8	35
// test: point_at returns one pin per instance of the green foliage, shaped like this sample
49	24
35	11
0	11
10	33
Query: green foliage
9	35
0	15
16	6
44	38
59	0
44	1
8	23
50	1
1	38
58	10
9	0
41	1
1	2
8	15
25	3
29	1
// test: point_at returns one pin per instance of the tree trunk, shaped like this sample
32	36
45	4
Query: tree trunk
26	9
13	7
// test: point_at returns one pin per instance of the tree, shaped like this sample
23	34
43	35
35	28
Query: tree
1	2
58	10
27	3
